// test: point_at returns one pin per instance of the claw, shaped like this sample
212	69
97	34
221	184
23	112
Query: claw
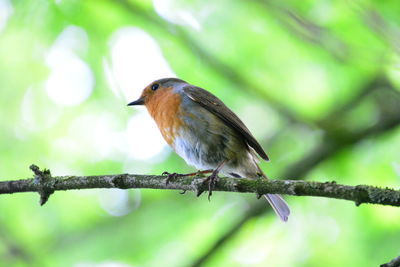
199	192
211	180
211	185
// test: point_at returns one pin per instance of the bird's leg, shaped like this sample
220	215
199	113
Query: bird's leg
211	180
198	173
174	175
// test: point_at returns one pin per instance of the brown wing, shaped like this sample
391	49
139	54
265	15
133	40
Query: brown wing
218	108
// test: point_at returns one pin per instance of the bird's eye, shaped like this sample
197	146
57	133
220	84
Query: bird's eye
154	86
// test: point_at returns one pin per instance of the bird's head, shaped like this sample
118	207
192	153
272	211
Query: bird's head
156	89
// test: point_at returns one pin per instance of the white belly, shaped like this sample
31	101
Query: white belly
193	152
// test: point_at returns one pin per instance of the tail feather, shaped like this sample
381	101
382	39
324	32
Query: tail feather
279	205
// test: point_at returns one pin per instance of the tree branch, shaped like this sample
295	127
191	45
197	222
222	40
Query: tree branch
45	185
393	263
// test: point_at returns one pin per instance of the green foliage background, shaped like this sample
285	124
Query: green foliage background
313	80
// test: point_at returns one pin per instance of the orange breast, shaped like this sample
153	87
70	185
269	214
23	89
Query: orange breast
164	107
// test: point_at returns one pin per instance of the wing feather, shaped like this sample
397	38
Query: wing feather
218	108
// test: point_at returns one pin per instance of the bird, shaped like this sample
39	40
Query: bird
208	135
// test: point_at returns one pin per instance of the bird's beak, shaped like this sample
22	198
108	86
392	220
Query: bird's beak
140	101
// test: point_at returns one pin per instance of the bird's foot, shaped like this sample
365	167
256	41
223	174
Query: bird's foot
211	181
174	175
171	176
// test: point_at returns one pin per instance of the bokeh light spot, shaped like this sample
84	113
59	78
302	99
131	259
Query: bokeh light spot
71	80
116	202
136	60
6	9
144	138
174	12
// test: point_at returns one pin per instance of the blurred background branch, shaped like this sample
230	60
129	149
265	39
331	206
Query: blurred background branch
14	251
306	30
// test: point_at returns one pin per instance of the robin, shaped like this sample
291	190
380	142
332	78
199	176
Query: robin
206	133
